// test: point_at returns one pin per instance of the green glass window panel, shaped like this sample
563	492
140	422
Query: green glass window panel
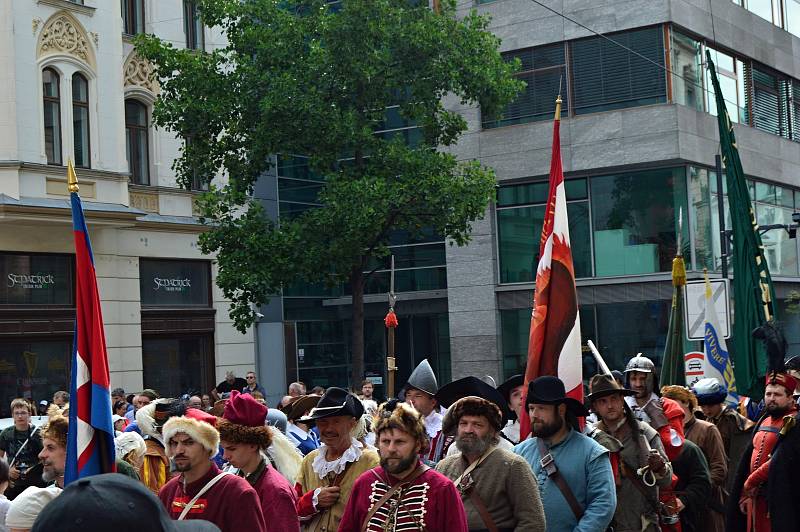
306	289
295	190
576	189
406	281
292	210
533	193
780	250
543	70
417	256
607	76
393	120
519	231
296	167
33	368
635	221
618	341
510	195
687	61
398	237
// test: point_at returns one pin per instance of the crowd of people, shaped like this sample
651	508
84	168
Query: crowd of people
633	457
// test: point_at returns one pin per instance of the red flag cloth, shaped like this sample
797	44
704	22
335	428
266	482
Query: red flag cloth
554	344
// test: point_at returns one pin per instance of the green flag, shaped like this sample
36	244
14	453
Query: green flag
672	368
753	293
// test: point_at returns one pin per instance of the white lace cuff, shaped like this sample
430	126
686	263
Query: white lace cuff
315	499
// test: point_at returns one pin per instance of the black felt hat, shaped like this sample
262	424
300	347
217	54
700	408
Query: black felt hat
471	386
336	402
549	390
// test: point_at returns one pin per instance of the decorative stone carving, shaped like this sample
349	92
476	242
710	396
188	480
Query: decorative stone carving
144	201
138	72
95	38
35	23
63	34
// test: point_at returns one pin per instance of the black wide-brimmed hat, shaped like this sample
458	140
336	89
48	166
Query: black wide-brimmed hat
602	385
335	402
452	392
510	384
549	390
299	406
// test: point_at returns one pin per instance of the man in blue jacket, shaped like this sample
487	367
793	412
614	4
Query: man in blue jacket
576	483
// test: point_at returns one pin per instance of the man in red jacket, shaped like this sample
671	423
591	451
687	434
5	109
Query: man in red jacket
245	438
202	491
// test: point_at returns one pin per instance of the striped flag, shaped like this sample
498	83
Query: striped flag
717	363
90	440
554	343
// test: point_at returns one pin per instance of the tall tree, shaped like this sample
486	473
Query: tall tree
316	79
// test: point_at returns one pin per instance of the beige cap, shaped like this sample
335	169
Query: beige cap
26	506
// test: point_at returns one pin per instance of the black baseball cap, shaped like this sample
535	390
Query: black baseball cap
111	501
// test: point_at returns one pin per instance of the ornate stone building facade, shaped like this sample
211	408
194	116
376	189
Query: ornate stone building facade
73	87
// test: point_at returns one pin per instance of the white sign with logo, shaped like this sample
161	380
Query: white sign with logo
172	285
30	281
694	367
695	297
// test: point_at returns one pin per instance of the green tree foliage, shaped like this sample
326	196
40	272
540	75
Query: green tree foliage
309	78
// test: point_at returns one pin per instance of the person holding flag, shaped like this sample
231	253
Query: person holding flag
90	441
554	345
717	363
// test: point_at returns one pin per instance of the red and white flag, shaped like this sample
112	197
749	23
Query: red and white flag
554	345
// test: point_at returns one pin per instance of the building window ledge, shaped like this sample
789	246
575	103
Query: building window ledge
70	6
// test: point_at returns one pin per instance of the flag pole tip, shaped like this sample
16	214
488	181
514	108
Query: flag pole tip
559	101
72	179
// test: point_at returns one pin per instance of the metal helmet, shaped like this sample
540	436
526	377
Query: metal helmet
423	378
642	364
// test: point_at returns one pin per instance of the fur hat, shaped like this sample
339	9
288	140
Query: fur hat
56	427
472	406
394	414
243	421
196	424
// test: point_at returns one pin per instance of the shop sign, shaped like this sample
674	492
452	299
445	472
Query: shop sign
174	282
32	279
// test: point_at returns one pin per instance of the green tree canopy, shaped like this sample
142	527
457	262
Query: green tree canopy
314	79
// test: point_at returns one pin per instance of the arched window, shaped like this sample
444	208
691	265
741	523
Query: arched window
80	119
136	133
52	115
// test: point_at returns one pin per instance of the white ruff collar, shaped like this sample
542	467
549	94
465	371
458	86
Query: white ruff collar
322	466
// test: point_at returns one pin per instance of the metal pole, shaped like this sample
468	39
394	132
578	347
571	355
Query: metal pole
391	368
723	236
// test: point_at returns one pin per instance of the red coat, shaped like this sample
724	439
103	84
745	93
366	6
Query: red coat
217	504
278	501
432	500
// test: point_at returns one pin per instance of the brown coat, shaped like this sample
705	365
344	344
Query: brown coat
154	470
735	430
706	436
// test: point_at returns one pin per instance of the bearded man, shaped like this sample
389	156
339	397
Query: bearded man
497	486
573	471
328	473
54	449
631	443
403	493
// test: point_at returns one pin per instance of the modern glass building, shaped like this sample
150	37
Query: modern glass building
638	137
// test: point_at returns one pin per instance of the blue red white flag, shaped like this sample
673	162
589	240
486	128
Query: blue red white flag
90	440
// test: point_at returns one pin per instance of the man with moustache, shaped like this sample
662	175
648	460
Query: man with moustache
402	493
328	473
54	449
576	483
631	443
202	491
497	486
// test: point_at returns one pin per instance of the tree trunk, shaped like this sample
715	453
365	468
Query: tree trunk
357	337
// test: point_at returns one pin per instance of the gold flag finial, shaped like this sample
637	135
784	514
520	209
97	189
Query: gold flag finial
72	179
558	107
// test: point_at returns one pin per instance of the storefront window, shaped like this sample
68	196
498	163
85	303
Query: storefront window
635	221
32	369
520	215
175	283
32	279
174	366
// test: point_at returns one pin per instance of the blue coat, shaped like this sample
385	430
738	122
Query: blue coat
586	468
